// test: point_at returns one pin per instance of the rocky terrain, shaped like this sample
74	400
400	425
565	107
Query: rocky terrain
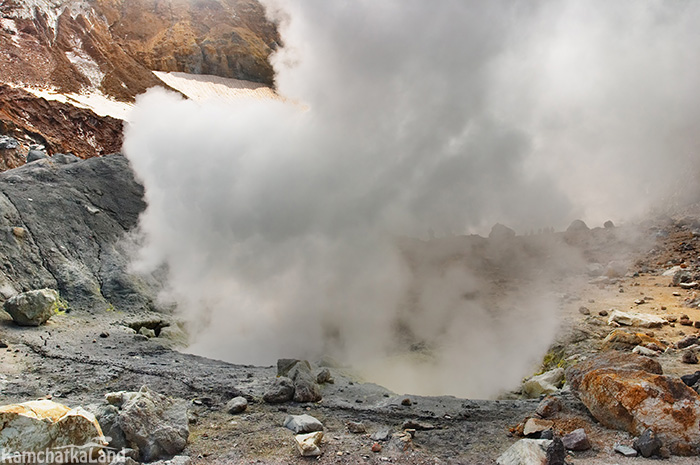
622	303
82	52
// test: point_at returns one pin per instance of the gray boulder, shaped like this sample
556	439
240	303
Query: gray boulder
236	405
154	425
8	143
305	387
281	391
35	155
302	424
33	308
65	158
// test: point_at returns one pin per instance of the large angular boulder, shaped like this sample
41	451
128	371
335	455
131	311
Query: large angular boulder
154	425
45	427
33	308
629	392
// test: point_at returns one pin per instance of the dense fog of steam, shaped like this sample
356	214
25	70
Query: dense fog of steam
279	221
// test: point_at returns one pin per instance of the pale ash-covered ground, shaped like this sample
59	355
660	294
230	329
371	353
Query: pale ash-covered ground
69	360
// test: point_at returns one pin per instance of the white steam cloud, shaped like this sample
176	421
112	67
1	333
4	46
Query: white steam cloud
279	221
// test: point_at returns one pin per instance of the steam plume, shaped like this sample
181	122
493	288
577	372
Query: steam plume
279	220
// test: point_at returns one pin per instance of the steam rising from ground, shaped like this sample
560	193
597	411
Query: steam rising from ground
279	221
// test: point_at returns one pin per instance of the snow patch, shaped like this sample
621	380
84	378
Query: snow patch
85	64
97	102
202	87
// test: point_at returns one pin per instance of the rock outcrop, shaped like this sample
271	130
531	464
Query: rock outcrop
628	392
73	220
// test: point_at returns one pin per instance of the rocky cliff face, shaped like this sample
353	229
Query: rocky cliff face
108	49
63	226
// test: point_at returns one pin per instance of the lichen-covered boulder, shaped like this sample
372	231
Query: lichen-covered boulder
45	427
629	392
33	308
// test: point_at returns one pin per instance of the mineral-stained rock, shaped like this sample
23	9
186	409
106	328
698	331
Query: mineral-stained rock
42	425
356	427
535	426
628	392
153	424
302	424
549	406
305	387
32	308
309	444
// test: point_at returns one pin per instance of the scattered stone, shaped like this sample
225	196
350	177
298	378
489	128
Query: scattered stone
621	340
376	447
584	311
418	426
692	379
406	402
33	308
534	426
628	392
104	334
577	440
690	358
3	345
281	391
686	322
381	435
681	276
19	233
309	444
356	427
625	451
676	294
670	318
547	434
640	301
645	320
305	387
577	225
8	143
154	425
616	270
324	376
647	444
671	271
149	333
302	424
546	383
608	224
41	425
35	155
64	158
285	365
534	451
237	405
647	352
501	232
692	285
548	407
603	313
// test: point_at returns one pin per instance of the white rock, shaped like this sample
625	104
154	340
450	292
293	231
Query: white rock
526	452
688	285
33	308
546	383
644	320
641	350
309	444
43	425
671	271
302	423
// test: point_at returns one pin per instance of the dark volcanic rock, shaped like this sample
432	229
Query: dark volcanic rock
648	444
74	218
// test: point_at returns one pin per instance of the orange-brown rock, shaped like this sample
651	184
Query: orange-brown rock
623	340
628	392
